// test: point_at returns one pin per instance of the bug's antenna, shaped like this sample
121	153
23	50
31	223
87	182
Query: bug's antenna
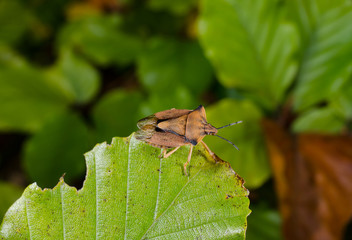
228	141
228	125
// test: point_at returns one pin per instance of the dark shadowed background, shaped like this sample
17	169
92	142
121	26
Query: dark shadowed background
76	73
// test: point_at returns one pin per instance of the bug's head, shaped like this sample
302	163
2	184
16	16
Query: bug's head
228	125
210	130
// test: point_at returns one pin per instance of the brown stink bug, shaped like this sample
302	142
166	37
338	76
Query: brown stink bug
177	127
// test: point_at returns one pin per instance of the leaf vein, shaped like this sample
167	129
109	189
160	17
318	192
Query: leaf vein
29	230
199	225
96	197
62	213
158	192
127	186
172	202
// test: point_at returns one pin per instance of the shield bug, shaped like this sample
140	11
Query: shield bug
177	127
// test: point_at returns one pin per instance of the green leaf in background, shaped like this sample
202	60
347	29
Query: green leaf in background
56	149
327	61
9	194
116	114
341	101
178	7
49	14
307	14
76	76
180	98
264	224
12	28
250	46
319	120
251	161
129	193
9	58
168	64
28	98
100	39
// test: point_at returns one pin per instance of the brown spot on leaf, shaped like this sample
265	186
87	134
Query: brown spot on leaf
228	196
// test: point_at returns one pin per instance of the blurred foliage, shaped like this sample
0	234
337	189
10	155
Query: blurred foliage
178	7
263	223
116	111
99	39
247	136
9	194
251	47
62	140
182	63
80	72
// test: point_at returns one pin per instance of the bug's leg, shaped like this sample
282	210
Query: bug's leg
188	159
209	151
166	155
163	152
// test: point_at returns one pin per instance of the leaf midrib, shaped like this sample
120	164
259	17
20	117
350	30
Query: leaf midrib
127	186
26	209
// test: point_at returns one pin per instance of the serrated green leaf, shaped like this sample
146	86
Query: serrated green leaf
327	62
101	40
250	46
28	98
251	161
320	120
9	194
129	193
116	114
56	149
168	64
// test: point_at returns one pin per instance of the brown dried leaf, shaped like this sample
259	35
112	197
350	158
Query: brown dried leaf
313	176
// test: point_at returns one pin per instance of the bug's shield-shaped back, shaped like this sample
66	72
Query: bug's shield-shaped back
195	125
172	113
174	125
